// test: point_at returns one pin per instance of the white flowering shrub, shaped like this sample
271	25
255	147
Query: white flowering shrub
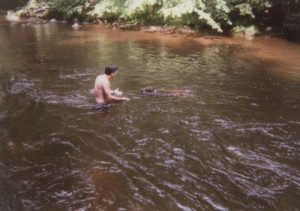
30	7
179	8
107	9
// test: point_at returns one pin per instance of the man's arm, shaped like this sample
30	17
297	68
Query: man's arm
108	93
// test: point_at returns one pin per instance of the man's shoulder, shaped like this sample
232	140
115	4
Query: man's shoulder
101	79
100	76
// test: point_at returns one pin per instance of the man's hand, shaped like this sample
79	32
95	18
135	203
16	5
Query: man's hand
92	91
125	99
117	92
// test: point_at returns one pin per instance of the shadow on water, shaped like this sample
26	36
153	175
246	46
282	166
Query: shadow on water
233	143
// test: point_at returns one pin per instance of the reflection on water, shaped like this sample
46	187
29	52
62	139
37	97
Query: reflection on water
232	144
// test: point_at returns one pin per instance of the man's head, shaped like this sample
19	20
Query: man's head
110	70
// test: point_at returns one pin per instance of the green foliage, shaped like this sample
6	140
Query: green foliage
189	8
107	9
71	8
218	15
141	10
245	9
31	6
247	32
138	11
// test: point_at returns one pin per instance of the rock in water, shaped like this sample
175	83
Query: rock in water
11	16
76	26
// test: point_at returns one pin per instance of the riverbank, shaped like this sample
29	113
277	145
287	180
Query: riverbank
280	19
242	20
43	17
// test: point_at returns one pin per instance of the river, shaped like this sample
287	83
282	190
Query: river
231	144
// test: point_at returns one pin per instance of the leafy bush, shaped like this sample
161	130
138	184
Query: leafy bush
31	7
71	8
219	15
107	9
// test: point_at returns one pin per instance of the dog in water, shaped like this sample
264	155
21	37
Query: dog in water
151	91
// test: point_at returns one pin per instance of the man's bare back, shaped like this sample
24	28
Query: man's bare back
101	89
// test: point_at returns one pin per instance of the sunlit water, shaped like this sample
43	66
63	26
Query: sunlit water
231	144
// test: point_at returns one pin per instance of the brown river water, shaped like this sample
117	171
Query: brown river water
233	143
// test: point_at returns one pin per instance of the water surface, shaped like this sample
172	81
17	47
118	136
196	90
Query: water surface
232	144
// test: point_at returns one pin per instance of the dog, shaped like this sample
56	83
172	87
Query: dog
151	91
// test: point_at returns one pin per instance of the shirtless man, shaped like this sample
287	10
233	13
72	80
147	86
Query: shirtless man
103	94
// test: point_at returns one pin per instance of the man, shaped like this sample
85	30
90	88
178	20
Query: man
103	94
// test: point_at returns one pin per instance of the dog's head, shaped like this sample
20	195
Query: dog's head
148	90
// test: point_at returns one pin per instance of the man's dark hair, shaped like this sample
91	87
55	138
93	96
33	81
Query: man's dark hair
110	69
